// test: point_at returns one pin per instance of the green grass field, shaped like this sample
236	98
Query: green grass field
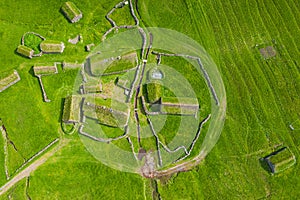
17	192
32	124
94	180
262	98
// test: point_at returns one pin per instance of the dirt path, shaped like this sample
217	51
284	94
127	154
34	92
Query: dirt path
32	167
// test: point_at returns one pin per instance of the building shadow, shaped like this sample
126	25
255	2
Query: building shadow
264	165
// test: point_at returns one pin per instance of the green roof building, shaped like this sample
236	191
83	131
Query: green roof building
25	51
42	70
72	13
280	160
71	113
9	80
48	46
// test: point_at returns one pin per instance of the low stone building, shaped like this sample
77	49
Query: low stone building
72	13
280	160
25	51
9	80
71	112
43	70
48	46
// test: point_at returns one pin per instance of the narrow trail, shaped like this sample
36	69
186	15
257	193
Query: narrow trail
32	167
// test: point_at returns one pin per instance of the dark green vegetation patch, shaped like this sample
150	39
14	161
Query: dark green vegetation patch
154	91
33	41
40	70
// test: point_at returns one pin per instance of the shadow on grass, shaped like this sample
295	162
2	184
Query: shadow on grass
264	165
144	89
16	53
31	72
141	106
61	109
62	12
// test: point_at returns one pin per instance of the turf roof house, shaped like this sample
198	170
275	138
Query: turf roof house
10	80
72	13
280	160
25	51
71	113
49	46
43	70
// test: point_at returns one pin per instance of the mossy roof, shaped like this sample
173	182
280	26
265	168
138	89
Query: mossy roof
71	112
25	51
50	46
44	70
70	10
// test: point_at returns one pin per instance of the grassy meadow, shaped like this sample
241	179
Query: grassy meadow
31	123
262	95
263	98
74	174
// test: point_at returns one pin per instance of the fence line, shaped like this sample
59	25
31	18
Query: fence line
112	22
196	137
43	89
38	153
108	140
206	76
115	28
36	34
4	134
132	147
160	162
133	13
